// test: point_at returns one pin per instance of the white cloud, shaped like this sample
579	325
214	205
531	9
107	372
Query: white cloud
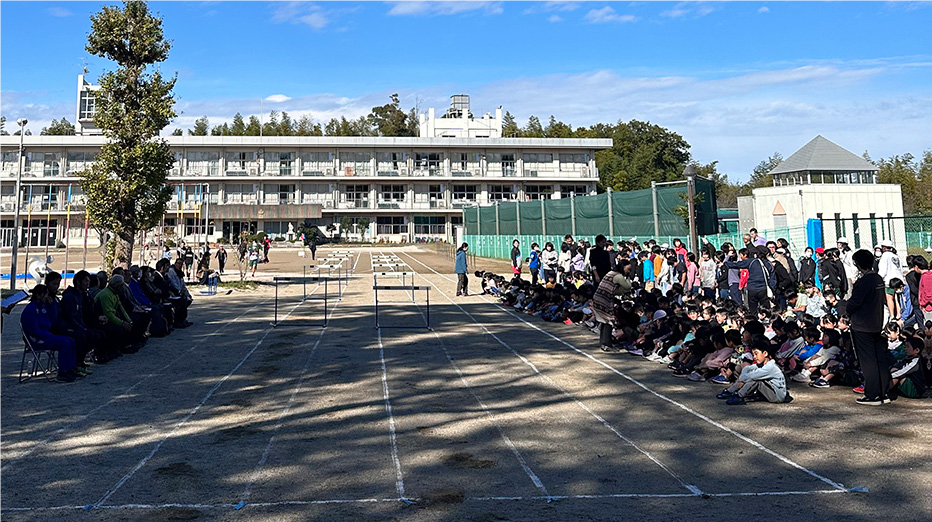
422	8
683	9
277	98
58	12
549	7
607	15
763	9
309	14
554	19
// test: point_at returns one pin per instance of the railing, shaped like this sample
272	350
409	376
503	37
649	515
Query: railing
354	204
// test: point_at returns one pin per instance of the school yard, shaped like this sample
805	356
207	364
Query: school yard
490	415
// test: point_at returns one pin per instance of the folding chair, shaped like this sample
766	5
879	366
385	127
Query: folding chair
49	369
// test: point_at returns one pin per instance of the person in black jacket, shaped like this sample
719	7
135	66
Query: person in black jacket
760	277
784	283
807	268
865	309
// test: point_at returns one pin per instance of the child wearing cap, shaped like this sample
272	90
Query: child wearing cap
761	380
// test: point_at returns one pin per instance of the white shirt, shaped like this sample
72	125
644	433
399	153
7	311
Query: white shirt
889	267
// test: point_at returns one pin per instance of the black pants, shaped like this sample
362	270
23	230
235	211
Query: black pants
534	272
461	284
734	292
755	298
871	349
605	334
222	264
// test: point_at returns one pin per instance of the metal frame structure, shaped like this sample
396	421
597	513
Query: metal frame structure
304	298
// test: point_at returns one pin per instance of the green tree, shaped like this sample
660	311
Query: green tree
414	127
363	226
221	130
533	128
239	126
3	131
58	128
270	127
28	133
286	127
510	126
305	126
127	187
726	192
201	127
914	178
177	132
761	176
641	153
346	226
252	129
389	119
557	129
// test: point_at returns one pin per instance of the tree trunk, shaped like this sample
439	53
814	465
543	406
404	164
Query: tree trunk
123	248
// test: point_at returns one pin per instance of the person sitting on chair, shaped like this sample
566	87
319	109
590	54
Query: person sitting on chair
37	327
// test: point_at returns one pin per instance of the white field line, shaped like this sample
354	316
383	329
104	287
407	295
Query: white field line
9	461
501	431
187	417
399	475
247	491
836	485
694	490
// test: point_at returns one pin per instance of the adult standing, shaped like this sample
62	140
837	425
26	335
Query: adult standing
314	249
221	256
807	268
600	260
549	259
266	245
461	269
844	254
603	305
889	267
515	257
760	277
865	309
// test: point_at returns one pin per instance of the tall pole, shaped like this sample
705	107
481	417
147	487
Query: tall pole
28	229
611	214
87	223
690	173
653	195
67	238
48	222
17	226
207	218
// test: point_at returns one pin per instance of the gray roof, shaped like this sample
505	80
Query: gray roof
822	154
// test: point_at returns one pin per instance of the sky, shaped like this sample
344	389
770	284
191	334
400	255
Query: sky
738	80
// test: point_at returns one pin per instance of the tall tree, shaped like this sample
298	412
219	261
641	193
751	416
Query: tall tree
641	152
252	129
533	128
270	126
239	127
127	187
3	131
177	132
201	127
286	127
58	128
915	180
557	129
761	176
389	119
509	126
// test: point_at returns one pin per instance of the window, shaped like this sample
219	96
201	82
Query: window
316	163
430	225
391	163
568	190
465	193
9	161
501	193
391	225
280	163
502	164
41	197
203	163
537	163
573	162
88	105
42	164
279	194
435	192
315	192
239	192
456	220
357	196
465	164
538	192
429	162
78	161
355	163
392	193
237	163
278	228
193	226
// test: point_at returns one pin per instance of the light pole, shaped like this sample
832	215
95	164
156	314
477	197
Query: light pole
17	226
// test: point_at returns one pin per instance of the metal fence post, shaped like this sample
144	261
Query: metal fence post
518	216
543	218
573	214
653	195
611	215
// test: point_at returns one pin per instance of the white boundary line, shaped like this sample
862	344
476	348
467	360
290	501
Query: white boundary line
838	486
524	465
281	418
281	503
190	414
694	490
9	461
399	475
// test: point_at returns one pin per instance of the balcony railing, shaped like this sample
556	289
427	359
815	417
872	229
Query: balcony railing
355	203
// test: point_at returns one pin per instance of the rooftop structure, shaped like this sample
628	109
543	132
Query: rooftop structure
821	161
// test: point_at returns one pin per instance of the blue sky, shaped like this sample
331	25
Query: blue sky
739	80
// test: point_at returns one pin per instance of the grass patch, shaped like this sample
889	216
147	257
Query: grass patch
239	285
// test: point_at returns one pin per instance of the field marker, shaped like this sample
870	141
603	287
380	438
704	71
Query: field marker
12	460
187	417
838	486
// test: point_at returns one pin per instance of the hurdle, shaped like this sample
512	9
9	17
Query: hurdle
413	288
396	275
278	280
342	276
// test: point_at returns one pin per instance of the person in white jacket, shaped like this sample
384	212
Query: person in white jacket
845	254
761	379
889	267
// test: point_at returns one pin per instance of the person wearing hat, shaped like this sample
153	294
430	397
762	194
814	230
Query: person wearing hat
866	312
889	267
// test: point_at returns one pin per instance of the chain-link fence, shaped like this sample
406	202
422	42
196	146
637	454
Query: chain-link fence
912	234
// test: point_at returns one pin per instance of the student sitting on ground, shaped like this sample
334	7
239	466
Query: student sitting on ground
712	364
831	340
906	375
843	368
762	380
813	344
735	362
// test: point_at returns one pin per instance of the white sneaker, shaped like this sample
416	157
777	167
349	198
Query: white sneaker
695	377
666	360
653	357
801	377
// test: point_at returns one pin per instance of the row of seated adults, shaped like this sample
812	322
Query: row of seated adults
100	318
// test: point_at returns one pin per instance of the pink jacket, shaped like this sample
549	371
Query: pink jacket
716	359
925	291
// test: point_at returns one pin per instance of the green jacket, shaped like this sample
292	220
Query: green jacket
110	305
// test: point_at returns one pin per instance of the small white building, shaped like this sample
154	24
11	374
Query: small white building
824	181
458	122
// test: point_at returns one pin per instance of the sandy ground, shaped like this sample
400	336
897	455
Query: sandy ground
488	416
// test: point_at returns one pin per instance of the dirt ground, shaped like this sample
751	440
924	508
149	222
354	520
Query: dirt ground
491	415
